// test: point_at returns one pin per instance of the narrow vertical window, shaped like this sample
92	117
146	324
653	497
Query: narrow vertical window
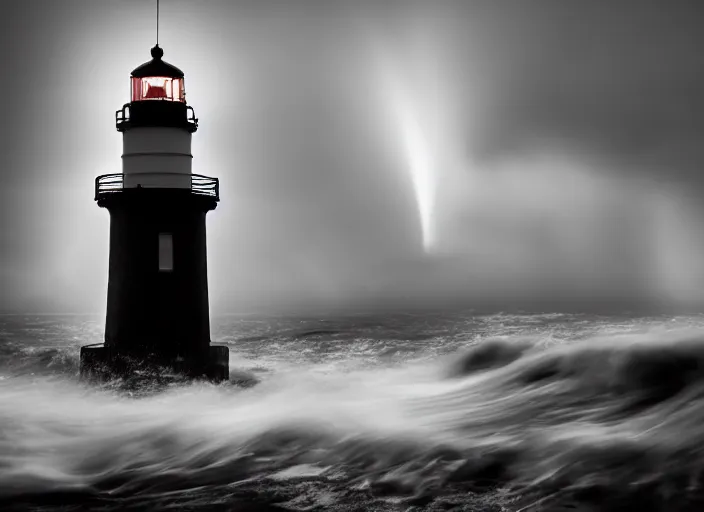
166	252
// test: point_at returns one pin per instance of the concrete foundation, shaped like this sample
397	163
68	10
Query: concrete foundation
102	364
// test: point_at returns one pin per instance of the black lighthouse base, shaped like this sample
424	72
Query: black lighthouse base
157	320
100	363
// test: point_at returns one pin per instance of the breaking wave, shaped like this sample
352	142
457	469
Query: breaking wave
607	423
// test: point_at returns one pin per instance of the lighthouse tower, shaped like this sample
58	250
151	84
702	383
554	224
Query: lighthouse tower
157	307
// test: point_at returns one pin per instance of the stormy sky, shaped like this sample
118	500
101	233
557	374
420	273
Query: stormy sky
372	153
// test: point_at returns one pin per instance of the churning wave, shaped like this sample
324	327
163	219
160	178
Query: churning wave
607	423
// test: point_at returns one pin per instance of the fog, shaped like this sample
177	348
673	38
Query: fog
373	153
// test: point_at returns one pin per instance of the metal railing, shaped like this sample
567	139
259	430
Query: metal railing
115	183
205	186
122	116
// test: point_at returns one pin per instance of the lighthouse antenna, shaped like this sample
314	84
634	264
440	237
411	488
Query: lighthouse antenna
157	22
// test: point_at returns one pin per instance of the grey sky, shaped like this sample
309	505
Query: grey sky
564	143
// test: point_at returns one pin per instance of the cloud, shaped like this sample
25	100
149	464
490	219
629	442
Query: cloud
618	80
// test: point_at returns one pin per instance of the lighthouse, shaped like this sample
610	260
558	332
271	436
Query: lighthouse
157	300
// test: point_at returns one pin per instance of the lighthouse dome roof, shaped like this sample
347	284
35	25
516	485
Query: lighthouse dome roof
157	67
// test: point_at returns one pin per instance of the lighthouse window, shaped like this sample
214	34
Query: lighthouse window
166	252
157	88
176	86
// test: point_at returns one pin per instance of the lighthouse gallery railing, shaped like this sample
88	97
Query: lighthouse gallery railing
200	185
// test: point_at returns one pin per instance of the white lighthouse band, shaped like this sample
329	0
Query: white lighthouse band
156	157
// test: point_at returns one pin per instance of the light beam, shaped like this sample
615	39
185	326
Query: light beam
416	145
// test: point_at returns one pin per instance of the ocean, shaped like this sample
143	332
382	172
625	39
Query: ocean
394	411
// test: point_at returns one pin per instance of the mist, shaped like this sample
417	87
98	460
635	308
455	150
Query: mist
373	154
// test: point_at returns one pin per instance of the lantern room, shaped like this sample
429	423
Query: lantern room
157	99
158	80
158	88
